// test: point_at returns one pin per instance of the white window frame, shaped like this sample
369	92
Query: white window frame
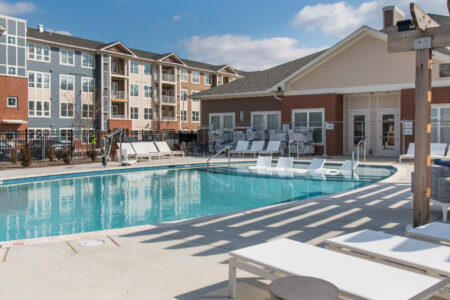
182	72
192	77
265	114
16	99
206	75
438	124
194	99
134	64
66	130
148	90
131	113
60	110
82	60
198	115
33	131
67	76
181	94
137	89
151	69
183	118
309	110
43	110
34	82
222	115
61	56
148	111
42	53
89	111
83	79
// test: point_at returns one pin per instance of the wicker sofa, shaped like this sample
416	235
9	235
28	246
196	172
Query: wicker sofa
439	188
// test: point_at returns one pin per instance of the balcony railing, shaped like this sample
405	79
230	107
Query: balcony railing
168	118
168	99
168	77
120	117
119	95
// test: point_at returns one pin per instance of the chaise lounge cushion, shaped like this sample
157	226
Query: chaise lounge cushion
441	162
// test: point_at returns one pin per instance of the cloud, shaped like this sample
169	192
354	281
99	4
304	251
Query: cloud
18	8
341	18
176	18
245	53
59	31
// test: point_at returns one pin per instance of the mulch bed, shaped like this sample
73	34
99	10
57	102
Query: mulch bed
46	163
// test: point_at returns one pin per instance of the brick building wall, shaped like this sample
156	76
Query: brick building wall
334	111
13	87
114	124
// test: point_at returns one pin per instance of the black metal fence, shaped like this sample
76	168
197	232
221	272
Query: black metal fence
42	143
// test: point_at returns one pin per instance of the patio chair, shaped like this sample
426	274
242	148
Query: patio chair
409	153
273	147
345	169
419	256
435	232
263	162
127	151
437	150
240	148
257	146
165	149
355	277
315	165
284	164
146	149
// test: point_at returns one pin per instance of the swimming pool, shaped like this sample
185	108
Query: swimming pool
116	199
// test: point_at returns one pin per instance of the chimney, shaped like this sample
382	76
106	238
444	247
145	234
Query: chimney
391	15
41	28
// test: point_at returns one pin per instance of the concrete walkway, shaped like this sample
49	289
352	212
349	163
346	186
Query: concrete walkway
188	259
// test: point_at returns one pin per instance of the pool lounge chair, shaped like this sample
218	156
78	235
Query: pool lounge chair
273	147
240	148
346	169
399	251
355	277
437	150
143	150
127	151
151	148
165	149
257	146
409	153
284	164
263	162
435	232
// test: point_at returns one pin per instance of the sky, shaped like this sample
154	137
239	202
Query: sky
246	34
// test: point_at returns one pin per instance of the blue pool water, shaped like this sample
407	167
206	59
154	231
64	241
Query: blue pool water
89	203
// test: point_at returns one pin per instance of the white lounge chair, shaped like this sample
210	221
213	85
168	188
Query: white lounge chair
127	151
263	162
284	164
420	256
437	150
273	147
346	169
315	165
355	277
435	232
142	150
151	148
240	148
256	147
165	149
409	153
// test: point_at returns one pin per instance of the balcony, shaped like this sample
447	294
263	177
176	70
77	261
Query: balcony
167	77
168	99
168	118
119	117
119	95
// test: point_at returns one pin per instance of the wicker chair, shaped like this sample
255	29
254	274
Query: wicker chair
439	188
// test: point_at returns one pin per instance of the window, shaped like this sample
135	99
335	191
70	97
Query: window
11	40
148	91
221	121
184	94
266	120
88	85
184	75
148	68
440	123
88	111
11	71
184	116
134	67
66	57
38	80
66	134
194	100
134	113
196	117
66	110
38	108
148	113
134	90
87	60
311	119
38	52
195	77
11	102
66	82
208	79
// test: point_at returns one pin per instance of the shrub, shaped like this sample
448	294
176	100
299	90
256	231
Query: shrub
25	156
13	156
113	152
92	154
60	154
51	153
67	156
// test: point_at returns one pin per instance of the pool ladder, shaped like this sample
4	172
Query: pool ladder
228	149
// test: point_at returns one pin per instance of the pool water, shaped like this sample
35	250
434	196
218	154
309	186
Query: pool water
90	203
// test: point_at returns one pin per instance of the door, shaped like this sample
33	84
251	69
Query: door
388	141
359	131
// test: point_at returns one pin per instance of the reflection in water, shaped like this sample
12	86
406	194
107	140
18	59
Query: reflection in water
82	204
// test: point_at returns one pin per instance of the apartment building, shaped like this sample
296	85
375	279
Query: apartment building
68	83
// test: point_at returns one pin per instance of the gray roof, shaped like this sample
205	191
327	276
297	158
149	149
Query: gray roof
96	45
260	80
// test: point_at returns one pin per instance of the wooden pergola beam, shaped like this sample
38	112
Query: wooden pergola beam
404	40
421	19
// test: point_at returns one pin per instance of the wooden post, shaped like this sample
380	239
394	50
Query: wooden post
422	131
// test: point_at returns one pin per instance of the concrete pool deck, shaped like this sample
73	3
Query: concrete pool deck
188	259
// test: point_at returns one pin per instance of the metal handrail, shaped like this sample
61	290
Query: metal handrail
215	155
289	147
